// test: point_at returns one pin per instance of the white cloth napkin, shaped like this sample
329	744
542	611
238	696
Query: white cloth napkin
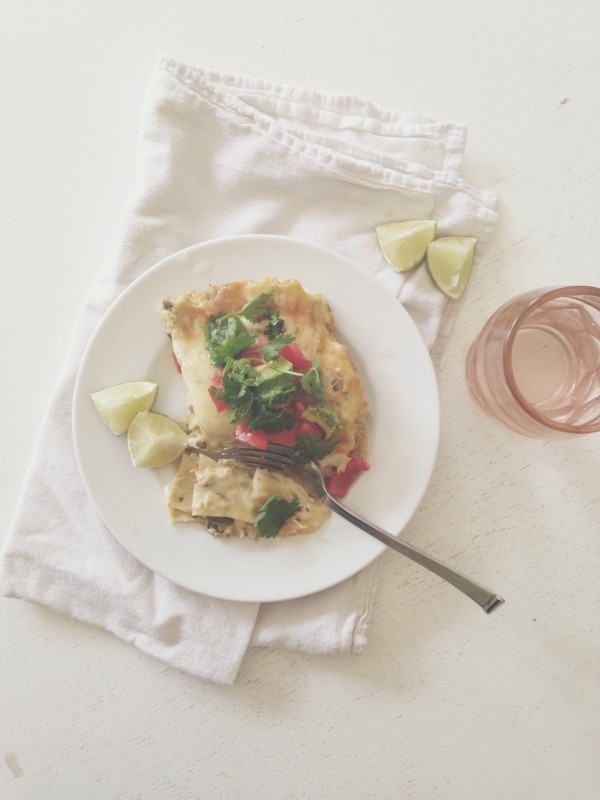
219	156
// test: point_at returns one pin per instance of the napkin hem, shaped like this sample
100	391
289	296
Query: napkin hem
338	101
406	175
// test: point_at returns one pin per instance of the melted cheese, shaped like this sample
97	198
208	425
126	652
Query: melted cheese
223	489
226	497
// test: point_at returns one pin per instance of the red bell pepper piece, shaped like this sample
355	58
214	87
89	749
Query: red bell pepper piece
339	482
292	353
220	405
255	352
257	438
217	379
307	427
288	437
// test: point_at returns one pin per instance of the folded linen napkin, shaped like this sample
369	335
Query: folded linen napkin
219	156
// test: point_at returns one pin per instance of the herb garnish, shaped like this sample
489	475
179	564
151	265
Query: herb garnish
258	385
313	447
226	334
226	337
273	513
258	309
311	381
271	350
259	394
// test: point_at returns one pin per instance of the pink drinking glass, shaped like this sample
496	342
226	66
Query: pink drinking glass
535	365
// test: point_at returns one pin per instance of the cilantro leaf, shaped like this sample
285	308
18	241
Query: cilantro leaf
238	379
265	419
273	513
240	371
256	394
311	381
275	327
226	337
275	387
271	350
257	309
312	446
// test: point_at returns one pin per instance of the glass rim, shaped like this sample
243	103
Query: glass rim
507	350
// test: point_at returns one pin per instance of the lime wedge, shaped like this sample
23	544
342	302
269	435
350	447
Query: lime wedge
155	440
449	260
404	244
119	404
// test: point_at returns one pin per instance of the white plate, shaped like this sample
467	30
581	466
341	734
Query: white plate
130	344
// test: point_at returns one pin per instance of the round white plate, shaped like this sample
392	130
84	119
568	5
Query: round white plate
130	344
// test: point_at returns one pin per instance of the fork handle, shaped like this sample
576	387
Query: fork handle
484	598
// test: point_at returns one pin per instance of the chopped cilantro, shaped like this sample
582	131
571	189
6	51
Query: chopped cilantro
226	337
311	381
273	513
274	327
313	447
258	393
270	421
275	386
271	350
257	309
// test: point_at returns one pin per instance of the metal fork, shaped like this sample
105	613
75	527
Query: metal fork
280	458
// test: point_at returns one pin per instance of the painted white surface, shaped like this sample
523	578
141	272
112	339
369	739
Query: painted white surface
445	703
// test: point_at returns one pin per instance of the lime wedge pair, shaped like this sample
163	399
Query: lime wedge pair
153	439
449	259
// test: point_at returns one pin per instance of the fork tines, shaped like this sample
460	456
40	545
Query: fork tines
275	457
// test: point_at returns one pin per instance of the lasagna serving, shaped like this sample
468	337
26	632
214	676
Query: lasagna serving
261	364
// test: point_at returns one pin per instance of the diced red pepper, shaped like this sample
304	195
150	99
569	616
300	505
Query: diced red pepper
339	482
288	437
301	427
254	352
308	427
260	439
292	353
217	380
296	408
177	364
220	405
257	438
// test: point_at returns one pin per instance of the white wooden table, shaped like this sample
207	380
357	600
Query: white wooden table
445	703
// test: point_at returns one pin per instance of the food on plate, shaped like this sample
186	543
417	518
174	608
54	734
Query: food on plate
449	260
404	244
155	440
118	405
261	364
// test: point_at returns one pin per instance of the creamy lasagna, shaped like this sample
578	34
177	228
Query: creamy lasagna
261	364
